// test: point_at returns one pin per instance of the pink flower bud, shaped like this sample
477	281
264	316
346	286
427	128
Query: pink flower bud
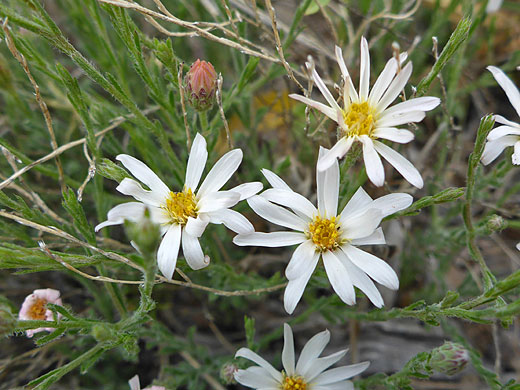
200	84
450	358
34	307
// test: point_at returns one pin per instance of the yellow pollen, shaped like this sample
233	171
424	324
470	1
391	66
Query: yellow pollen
325	233
38	309
360	119
180	206
293	383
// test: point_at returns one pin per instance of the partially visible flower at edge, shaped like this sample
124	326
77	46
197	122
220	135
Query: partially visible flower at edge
200	84
34	307
309	373
136	385
184	215
493	6
365	116
324	233
509	133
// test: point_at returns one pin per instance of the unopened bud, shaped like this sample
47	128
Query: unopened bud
227	373
450	358
200	85
495	223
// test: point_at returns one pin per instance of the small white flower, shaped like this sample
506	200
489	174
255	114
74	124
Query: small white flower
184	215
34	307
508	134
365	116
309	373
323	233
493	6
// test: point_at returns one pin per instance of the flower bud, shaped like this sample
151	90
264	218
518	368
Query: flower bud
227	373
495	223
449	358
200	85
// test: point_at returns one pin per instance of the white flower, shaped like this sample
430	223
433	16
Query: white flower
365	117
493	6
309	373
323	233
34	307
136	385
508	134
184	215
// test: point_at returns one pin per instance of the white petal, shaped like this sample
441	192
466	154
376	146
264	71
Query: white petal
516	154
328	188
288	350
169	250
401	119
292	200
247	190
254	357
373	164
270	240
312	349
401	136
145	175
500	119
508	86
325	91
425	103
501	131
493	6
322	364
196	226
132	188
217	200
275	180
364	75
361	224
401	164
134	383
132	211
346	76
276	214
492	149
340	373
196	162
221	172
338	151
362	281
328	111
339	278
395	87
232	220
256	378
383	81
295	288
359	201
376	268
392	203
193	252
302	259
376	238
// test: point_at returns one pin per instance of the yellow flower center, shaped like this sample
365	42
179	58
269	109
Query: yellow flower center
38	309
325	233
360	119
180	206
293	383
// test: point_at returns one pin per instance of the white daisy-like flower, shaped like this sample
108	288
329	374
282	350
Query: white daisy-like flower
184	215
366	116
309	373
509	133
325	233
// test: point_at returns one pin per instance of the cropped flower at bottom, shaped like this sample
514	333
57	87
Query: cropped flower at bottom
136	385
34	307
309	373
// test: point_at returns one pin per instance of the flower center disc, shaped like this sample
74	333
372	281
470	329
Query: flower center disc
37	310
324	233
180	206
359	118
294	383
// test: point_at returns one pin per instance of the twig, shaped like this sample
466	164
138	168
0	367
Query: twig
221	110
63	148
278	44
91	172
43	107
183	105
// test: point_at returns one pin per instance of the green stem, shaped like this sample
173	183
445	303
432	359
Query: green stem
203	118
